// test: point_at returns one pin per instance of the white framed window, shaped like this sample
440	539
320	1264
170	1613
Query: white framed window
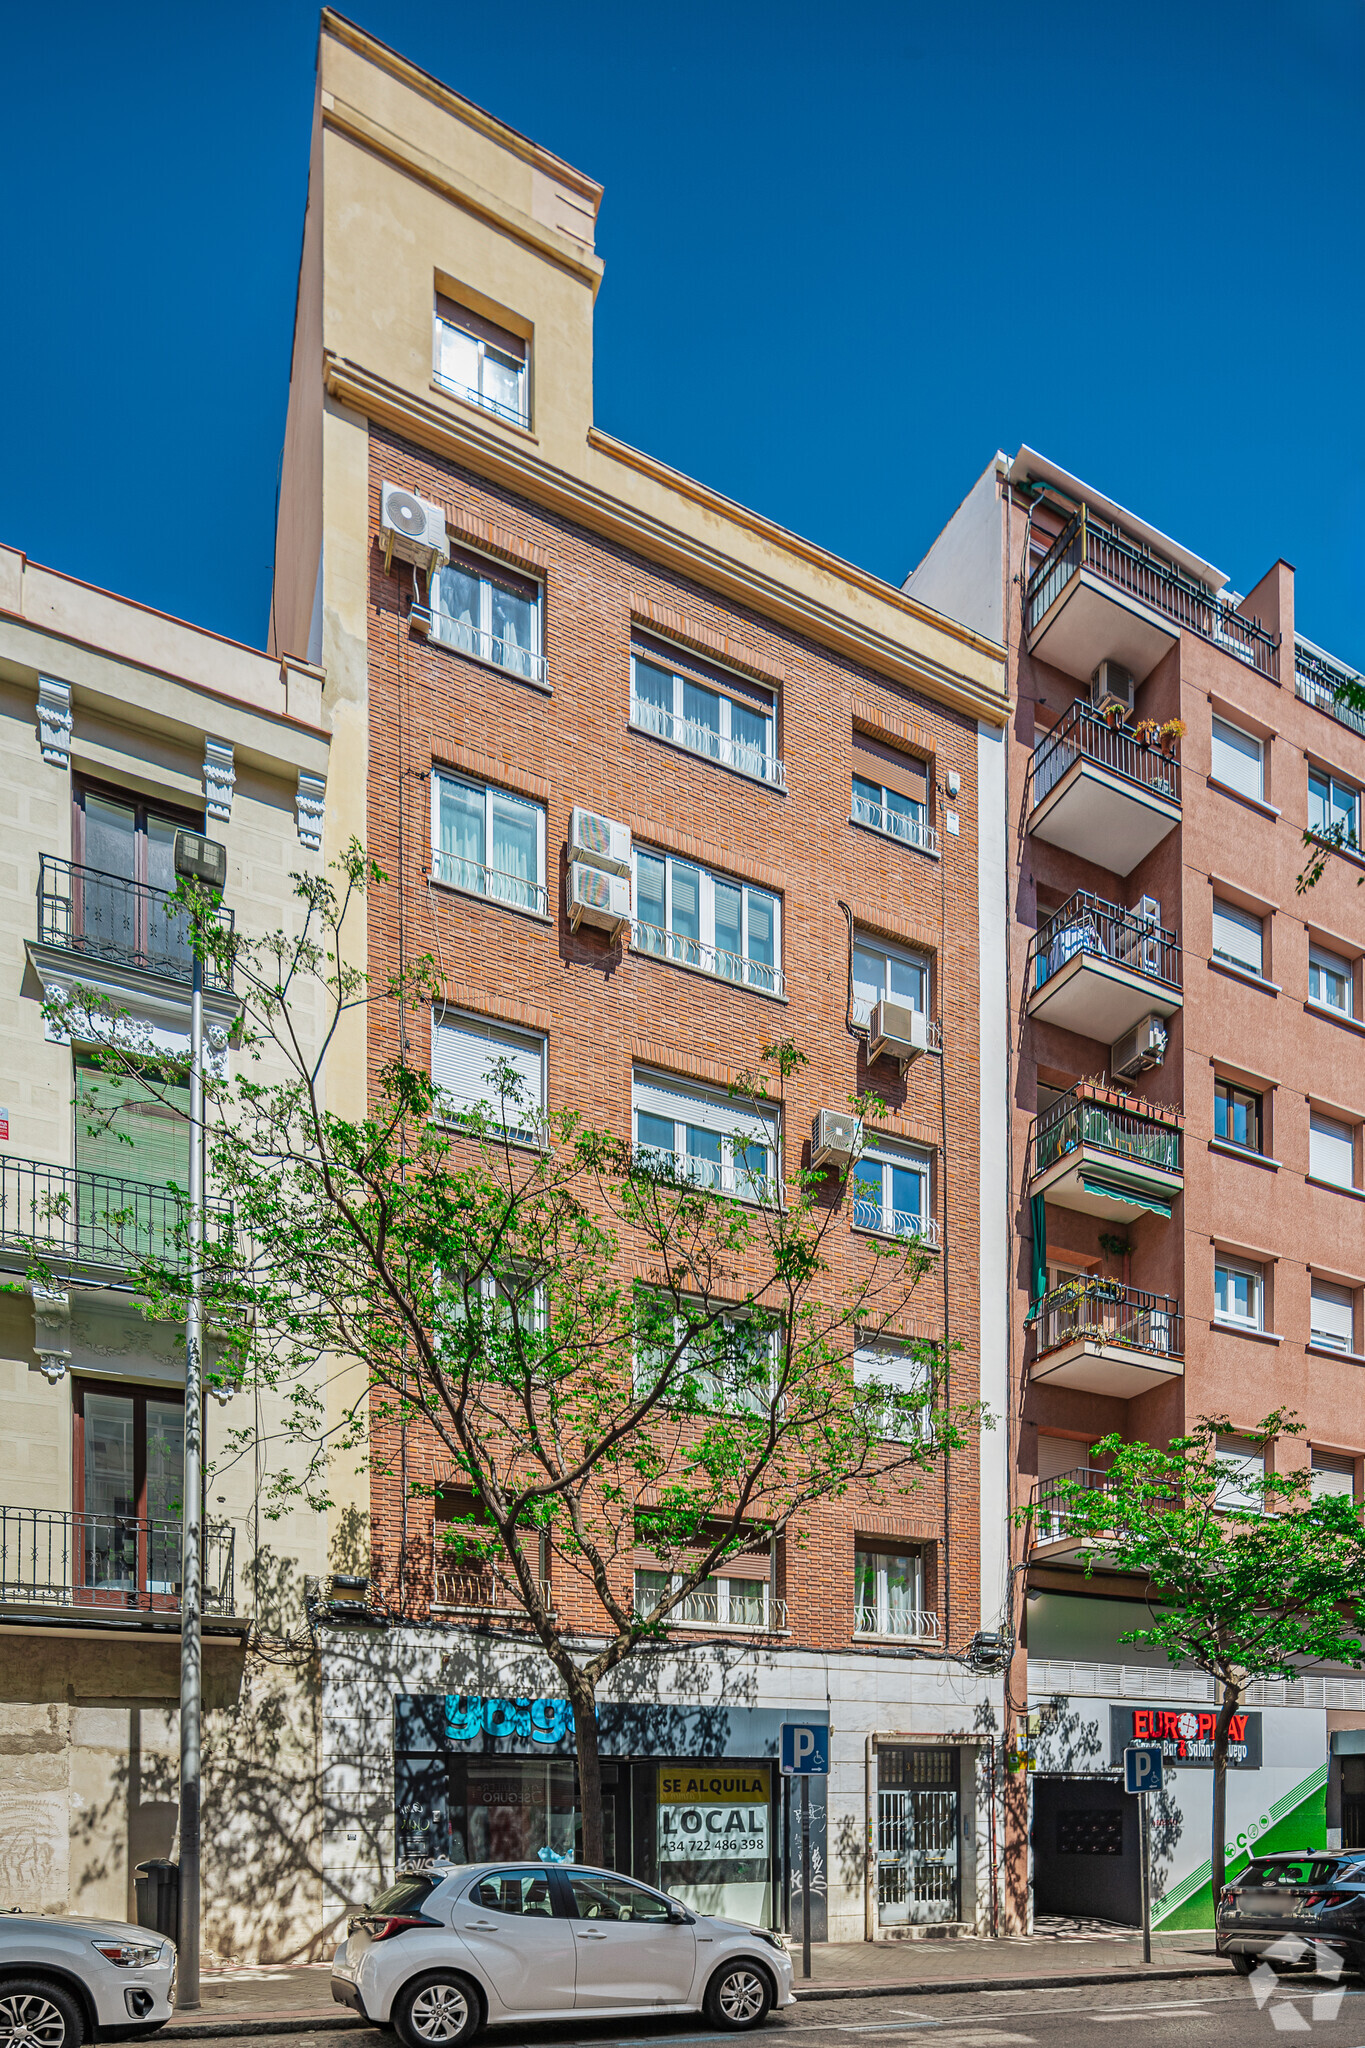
732	1367
1331	1150
1238	936
1239	1293
478	607
725	1600
684	913
1333	805
1238	760
479	361
465	1050
1332	1475
488	842
1240	1466
723	717
891	1192
1332	1317
1331	980
889	1593
893	1365
715	1141
890	972
890	791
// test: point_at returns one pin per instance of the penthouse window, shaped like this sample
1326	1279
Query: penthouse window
487	842
889	793
686	914
480	362
706	1137
708	711
480	608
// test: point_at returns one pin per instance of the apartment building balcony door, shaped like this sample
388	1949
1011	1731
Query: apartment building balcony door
918	1830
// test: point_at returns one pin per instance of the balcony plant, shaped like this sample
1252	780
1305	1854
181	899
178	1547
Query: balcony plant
1146	731
1114	715
1170	733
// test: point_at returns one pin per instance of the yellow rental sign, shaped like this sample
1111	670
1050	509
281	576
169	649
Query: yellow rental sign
709	1781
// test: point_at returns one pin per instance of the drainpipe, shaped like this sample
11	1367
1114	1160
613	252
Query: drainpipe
870	1817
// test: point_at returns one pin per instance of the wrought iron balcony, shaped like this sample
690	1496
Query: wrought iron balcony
90	1222
481	1590
1106	1153
1051	1523
1321	682
915	1624
1099	792
907	826
757	1611
472	878
54	1557
738	968
870	1214
1096	968
1105	1337
125	924
698	738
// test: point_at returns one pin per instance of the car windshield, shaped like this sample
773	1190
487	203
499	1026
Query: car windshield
404	1895
1277	1873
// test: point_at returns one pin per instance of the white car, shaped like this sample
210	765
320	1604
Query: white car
67	1981
450	1948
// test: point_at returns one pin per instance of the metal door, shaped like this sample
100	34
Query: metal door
917	1837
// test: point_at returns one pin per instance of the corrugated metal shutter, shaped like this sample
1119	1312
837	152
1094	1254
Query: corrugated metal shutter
463	1048
659	1096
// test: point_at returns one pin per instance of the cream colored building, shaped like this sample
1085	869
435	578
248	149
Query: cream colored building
117	724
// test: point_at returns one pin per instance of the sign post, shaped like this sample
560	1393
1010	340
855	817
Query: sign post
1143	1774
805	1755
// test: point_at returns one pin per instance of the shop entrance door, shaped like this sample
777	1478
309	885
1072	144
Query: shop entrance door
917	1836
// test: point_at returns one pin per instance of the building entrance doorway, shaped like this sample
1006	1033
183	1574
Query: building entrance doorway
1085	1850
917	1836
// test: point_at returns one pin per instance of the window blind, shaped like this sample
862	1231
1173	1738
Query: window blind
1237	759
1331	1151
485	330
1333	1315
657	1096
463	1049
1238	936
887	766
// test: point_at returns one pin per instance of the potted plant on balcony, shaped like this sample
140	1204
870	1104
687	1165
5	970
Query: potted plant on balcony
1172	731
1113	715
1145	731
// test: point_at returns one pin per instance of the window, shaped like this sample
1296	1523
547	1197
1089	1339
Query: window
489	611
1238	1293
124	861
1333	806
1238	760
616	1898
686	914
889	1593
885	971
1331	980
707	711
730	1366
488	843
1236	1116
717	1142
464	1049
135	1133
479	361
1331	1150
895	1367
523	1892
1332	1475
1240	1467
891	1192
889	793
1332	1318
129	1484
724	1600
1238	936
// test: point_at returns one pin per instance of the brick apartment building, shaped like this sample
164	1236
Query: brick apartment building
1187	1102
810	765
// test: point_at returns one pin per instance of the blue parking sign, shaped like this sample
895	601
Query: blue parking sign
805	1749
1143	1768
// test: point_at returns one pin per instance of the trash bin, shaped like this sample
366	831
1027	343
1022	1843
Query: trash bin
157	1883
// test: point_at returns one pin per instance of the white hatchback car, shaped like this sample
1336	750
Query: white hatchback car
453	1947
67	1981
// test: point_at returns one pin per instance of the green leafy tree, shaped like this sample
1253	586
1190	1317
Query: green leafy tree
1249	1576
605	1352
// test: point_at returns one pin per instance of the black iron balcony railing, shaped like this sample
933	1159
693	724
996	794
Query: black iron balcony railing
1052	1498
1320	682
1083	736
128	924
91	1220
1108	1312
57	1557
1087	543
1088	926
1123	1132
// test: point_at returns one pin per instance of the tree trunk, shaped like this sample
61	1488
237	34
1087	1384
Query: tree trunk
1232	1696
583	1698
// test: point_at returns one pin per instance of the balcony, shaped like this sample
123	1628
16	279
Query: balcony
473	878
1051	1532
757	1612
698	738
120	923
456	1589
89	1225
1097	969
908	1624
1098	792
884	1221
737	968
1105	1153
907	826
1321	682
107	1564
1097	595
1103	1337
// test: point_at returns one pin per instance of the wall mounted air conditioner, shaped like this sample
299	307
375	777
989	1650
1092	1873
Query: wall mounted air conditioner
598	841
411	529
1139	1050
897	1030
836	1137
1112	684
597	898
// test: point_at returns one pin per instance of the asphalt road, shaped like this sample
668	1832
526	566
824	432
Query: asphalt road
1223	2014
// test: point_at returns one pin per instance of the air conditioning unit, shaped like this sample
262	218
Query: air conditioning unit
599	842
897	1030
412	529
595	897
1112	684
1139	1050
836	1137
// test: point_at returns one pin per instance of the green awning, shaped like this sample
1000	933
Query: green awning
1037	1209
1124	1191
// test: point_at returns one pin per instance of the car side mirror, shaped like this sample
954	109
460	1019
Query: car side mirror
679	1916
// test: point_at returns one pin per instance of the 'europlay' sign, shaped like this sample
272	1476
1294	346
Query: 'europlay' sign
1185	1735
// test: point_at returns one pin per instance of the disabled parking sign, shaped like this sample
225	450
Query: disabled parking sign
805	1749
1143	1768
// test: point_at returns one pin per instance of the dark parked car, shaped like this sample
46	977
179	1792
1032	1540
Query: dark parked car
1278	1901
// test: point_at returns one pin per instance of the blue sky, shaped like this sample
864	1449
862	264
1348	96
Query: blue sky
850	251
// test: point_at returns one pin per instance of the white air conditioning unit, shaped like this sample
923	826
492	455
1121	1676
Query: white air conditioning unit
600	842
1139	1050
897	1030
595	897
412	529
1112	684
836	1137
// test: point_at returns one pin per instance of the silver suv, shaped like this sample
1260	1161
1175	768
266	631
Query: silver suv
67	1981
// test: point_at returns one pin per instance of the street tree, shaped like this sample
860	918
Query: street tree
1248	1574
609	1349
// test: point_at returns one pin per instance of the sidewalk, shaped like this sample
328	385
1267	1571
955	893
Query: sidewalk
252	1999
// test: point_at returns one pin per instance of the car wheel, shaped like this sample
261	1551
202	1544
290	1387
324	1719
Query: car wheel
738	1997
436	2011
37	2014
1242	1964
